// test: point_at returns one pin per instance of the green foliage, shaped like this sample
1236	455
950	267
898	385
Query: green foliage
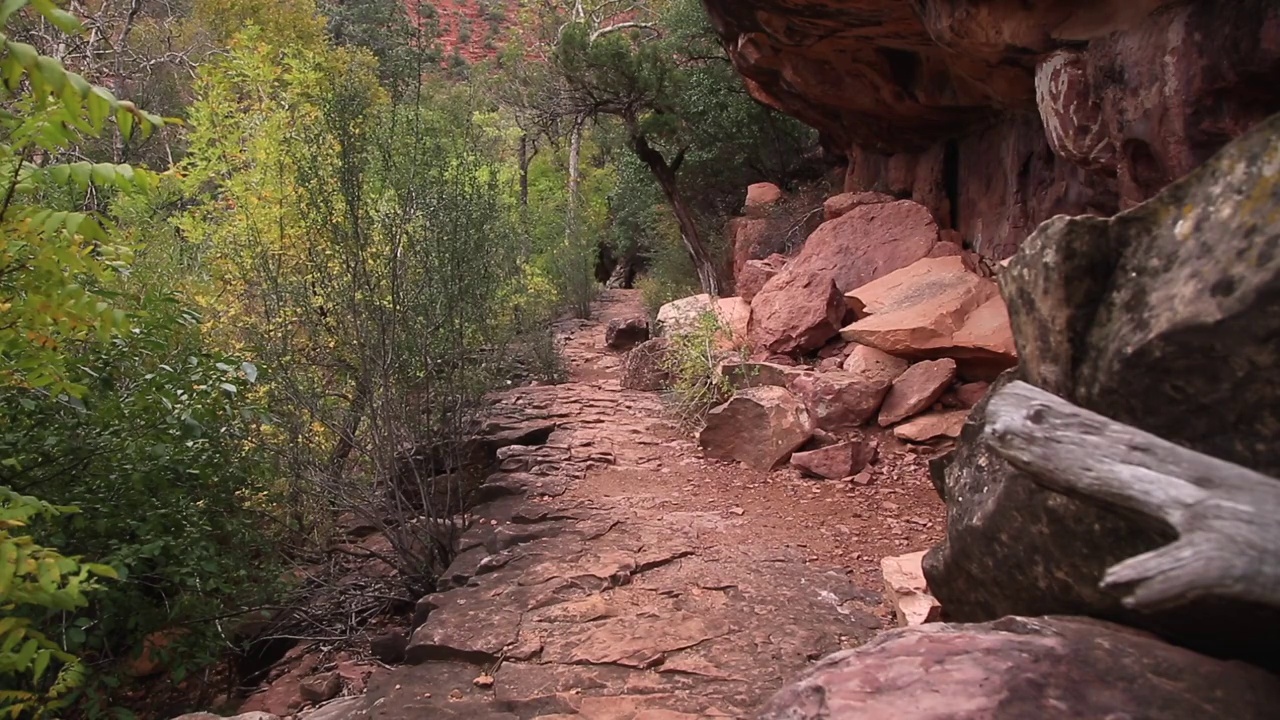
670	277
383	27
112	405
157	454
692	359
37	674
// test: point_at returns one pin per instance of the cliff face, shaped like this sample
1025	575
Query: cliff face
998	114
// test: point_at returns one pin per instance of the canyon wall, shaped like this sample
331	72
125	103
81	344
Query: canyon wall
999	114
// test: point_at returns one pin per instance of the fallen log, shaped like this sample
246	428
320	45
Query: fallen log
1227	517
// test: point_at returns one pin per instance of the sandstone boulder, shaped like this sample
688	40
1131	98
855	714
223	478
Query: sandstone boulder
626	333
791	313
795	313
840	401
756	273
934	426
644	366
917	389
684	315
1054	668
734	316
840	205
907	591
761	196
837	461
1165	318
867	243
935	308
759	427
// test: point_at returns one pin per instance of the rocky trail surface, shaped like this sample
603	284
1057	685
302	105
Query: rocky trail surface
614	573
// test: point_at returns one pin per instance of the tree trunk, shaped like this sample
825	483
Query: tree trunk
575	173
524	170
665	174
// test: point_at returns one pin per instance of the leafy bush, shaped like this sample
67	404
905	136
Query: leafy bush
112	406
692	360
158	454
37	584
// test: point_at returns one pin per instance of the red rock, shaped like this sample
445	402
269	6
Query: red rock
839	400
1015	112
870	362
796	312
626	333
970	394
984	344
942	282
836	461
917	389
936	308
841	204
319	688
734	315
932	427
756	273
1049	668
907	591
761	196
759	427
868	242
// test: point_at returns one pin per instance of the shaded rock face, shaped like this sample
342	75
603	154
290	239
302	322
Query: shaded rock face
1166	318
1017	668
999	114
644	366
626	333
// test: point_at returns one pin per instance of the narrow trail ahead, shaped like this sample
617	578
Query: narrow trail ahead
616	574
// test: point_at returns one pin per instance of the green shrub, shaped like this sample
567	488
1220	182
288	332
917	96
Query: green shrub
158	454
37	586
692	359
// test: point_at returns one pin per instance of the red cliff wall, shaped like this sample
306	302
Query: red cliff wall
998	114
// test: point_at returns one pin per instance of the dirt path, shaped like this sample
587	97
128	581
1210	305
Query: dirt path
616	574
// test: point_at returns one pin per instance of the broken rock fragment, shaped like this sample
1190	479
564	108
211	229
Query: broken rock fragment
917	389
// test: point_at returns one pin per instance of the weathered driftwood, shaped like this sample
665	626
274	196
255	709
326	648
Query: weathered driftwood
1227	517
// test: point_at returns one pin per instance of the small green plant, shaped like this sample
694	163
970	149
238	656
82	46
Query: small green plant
693	359
37	676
